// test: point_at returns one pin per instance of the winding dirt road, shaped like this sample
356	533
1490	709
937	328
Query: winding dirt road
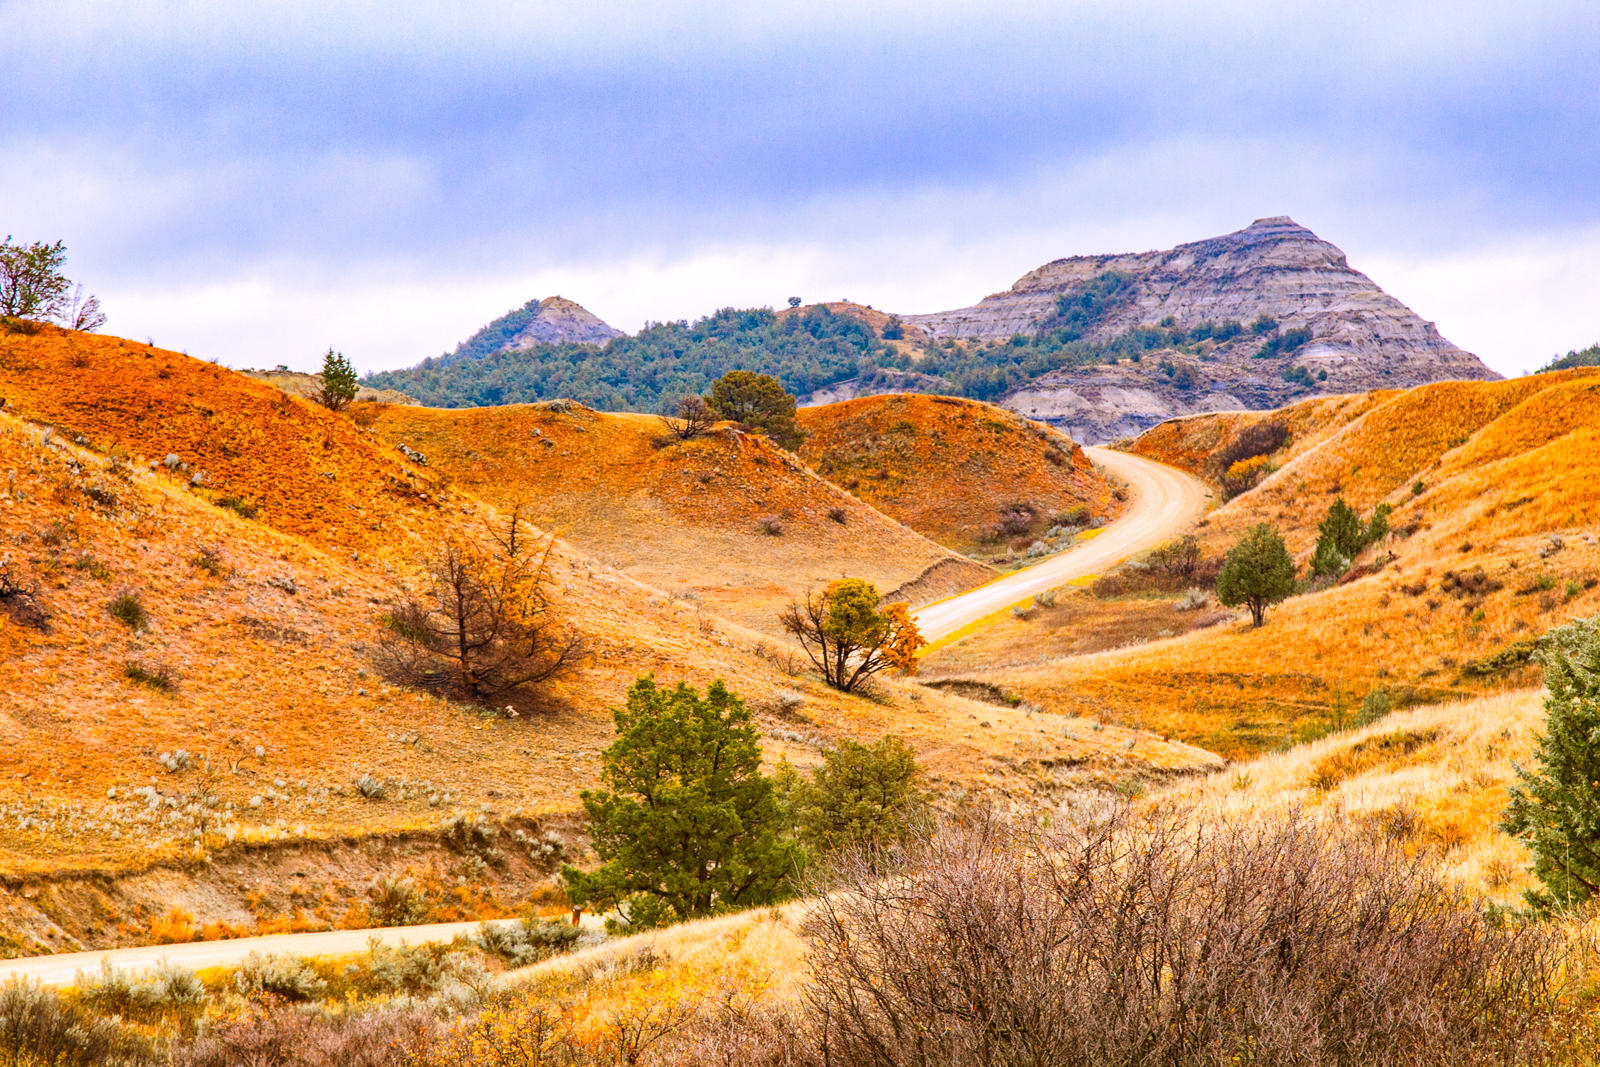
1163	500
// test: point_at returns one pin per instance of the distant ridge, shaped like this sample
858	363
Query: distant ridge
553	320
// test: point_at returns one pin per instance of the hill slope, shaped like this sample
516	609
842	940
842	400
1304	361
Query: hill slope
267	642
729	519
1480	475
956	471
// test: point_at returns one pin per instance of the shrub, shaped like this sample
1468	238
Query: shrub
862	797
209	559
128	609
396	901
1374	706
38	1026
770	525
687	825
289	1037
1156	941
529	941
839	515
1555	805
1258	572
159	678
286	977
245	509
169	989
849	635
20	599
687	417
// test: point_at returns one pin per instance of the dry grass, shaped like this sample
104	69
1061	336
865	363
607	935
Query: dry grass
256	665
691	518
1501	465
948	468
1432	777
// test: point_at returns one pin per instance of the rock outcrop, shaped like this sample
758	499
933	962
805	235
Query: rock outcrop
1360	337
555	318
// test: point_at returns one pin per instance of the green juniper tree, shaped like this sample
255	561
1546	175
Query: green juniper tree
687	825
757	400
1258	572
1341	537
1555	807
339	383
859	796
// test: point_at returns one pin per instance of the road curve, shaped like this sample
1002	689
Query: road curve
1162	501
62	970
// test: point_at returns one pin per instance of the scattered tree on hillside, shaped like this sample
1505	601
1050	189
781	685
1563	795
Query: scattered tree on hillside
859	797
1258	572
32	286
688	417
1555	807
848	637
339	383
758	401
1178	559
1342	537
794	301
894	329
686	824
484	629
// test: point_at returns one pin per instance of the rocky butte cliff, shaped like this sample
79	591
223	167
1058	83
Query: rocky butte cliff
553	319
1333	330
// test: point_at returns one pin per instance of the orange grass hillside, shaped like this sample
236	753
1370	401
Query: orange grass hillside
1495	488
969	475
728	519
250	652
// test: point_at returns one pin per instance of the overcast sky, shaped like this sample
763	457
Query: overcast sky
254	182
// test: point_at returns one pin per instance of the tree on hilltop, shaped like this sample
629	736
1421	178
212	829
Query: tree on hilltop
848	638
339	383
1555	807
758	401
687	417
1258	572
686	824
33	286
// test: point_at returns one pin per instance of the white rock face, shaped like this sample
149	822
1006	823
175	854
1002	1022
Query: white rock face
559	319
1362	338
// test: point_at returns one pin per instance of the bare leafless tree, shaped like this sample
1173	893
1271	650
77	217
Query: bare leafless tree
20	599
688	417
484	629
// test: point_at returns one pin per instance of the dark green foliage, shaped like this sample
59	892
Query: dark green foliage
894	329
687	825
1258	572
859	797
1285	344
1341	537
1555	807
158	678
758	401
1375	706
339	384
1298	375
1078	311
1588	357
664	360
1263	324
128	609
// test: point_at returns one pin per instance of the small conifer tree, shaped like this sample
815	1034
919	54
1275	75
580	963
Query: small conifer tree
859	796
1555	807
339	383
1258	572
687	825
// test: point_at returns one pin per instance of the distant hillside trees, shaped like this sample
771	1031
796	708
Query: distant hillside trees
1257	573
802	351
484	629
849	637
1588	357
33	287
1555	807
758	401
338	385
686	825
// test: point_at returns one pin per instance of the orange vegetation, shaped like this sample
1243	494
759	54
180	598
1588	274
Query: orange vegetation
263	624
729	519
948	468
1480	476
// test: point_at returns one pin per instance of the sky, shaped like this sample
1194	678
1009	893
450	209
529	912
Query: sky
257	182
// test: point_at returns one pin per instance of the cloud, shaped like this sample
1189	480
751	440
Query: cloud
314	156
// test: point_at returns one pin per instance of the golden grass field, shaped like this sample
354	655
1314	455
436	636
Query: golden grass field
948	467
348	519
1480	476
